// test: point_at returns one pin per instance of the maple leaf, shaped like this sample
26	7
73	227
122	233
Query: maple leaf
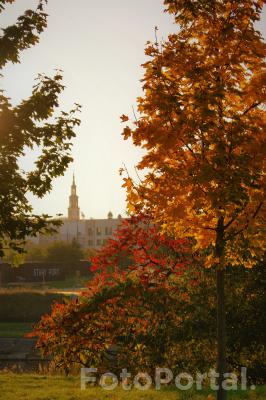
124	118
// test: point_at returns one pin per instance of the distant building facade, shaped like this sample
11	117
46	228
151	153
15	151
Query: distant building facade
91	233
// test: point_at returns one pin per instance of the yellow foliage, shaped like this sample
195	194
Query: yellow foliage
203	126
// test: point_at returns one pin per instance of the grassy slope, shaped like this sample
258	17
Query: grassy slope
26	305
14	329
37	387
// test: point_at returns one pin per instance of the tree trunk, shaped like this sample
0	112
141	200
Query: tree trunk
221	333
221	323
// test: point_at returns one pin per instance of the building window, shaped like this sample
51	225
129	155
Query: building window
108	231
90	242
98	230
99	242
90	231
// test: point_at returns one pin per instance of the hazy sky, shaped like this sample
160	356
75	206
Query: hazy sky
99	45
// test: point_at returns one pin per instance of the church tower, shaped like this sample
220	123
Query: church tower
73	209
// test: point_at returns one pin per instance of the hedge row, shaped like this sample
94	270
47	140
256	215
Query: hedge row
26	306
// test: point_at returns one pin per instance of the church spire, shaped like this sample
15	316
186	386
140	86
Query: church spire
73	209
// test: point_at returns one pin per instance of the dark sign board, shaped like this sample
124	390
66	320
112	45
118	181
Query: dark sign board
42	271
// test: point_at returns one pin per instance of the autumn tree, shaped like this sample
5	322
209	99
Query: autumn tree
158	309
135	308
32	124
202	124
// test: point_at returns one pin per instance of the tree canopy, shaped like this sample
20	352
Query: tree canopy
32	124
202	124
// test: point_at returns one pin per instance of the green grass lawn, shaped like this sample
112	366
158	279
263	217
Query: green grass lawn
14	329
68	283
38	387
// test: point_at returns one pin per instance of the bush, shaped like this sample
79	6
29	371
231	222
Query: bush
161	311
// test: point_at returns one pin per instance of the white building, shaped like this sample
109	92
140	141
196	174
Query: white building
91	233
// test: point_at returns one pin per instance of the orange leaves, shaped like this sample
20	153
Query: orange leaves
124	118
133	197
126	133
202	125
128	183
